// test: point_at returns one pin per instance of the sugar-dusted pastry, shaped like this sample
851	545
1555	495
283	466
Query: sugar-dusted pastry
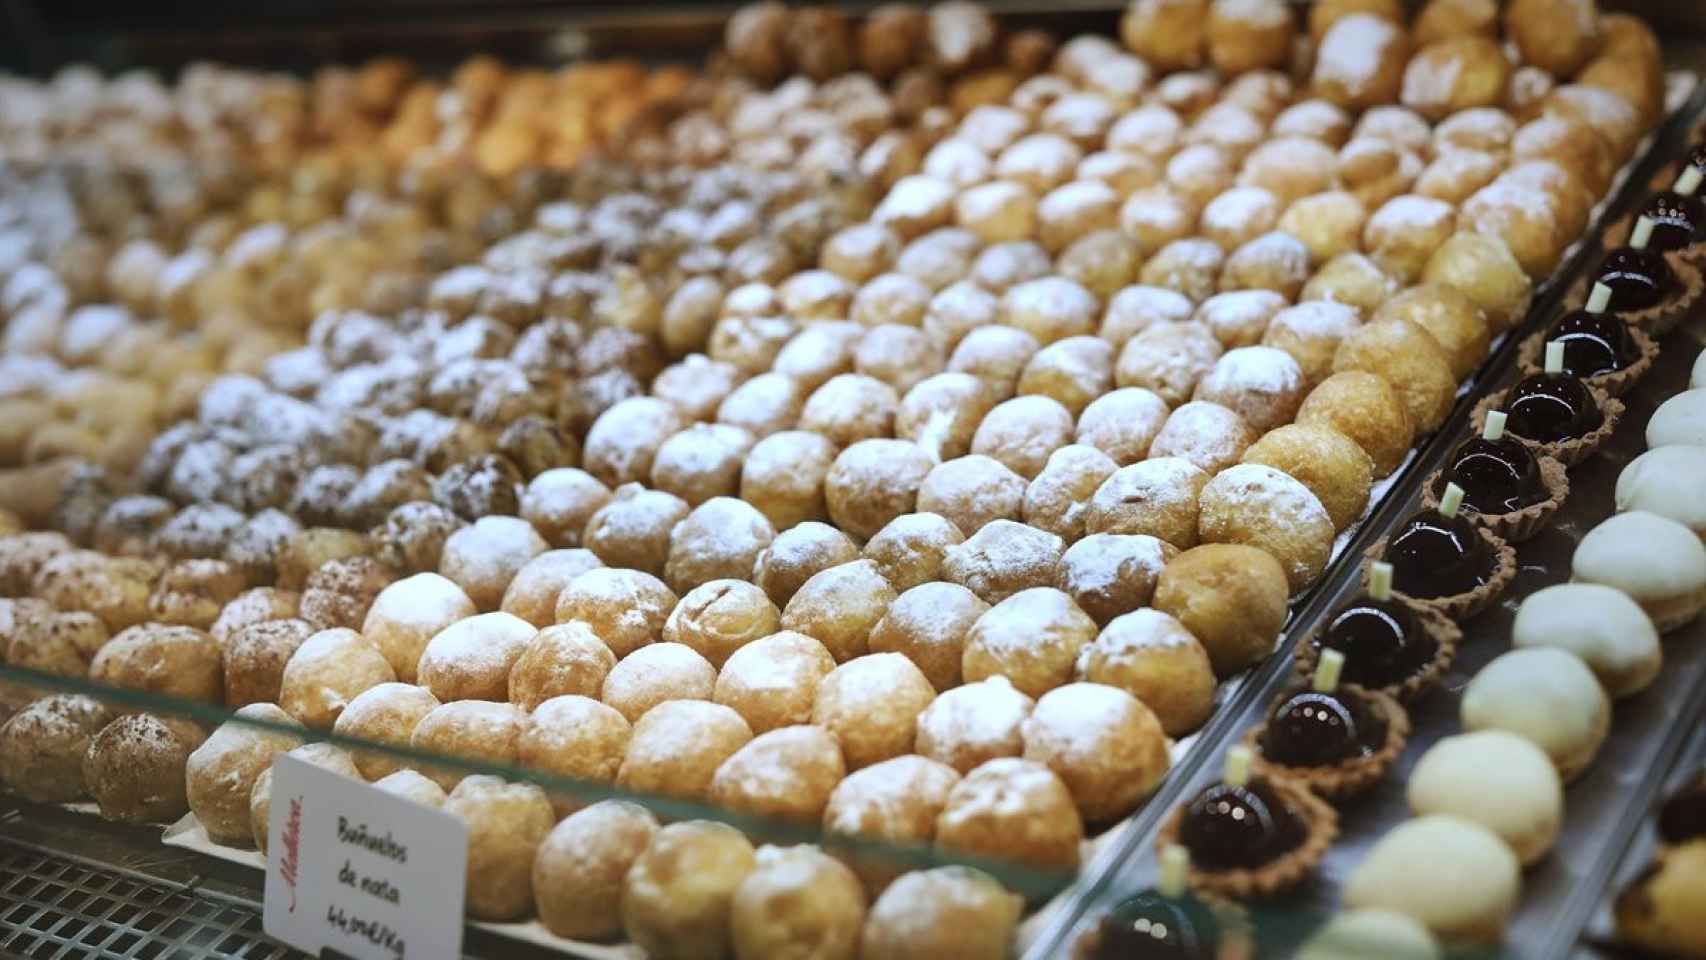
1138	308
387	714
871	704
654	674
1231	597
1449	316
1409	359
928	624
1681	420
1657	561
974	723
471	659
1074	372
1003	558
1154	658
574	737
1110	763
941	413
1455	876
1559	36
909	549
1364	407
971	491
1157	216
1245	36
985	811
1191	266
1157	497
1168	34
134	767
1032	638
1547	695
1360	62
1453	74
798	899
678	896
787	772
783	477
1402	233
327	757
945	911
1311	332
1110	574
1600	624
1022	432
580	865
220	773
874	481
1328	223
677	746
1262	507
625	608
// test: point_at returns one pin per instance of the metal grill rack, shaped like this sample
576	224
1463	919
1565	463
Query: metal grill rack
57	907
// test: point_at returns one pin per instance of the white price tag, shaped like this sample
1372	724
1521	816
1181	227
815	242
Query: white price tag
360	871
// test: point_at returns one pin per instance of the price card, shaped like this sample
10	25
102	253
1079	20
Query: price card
359	871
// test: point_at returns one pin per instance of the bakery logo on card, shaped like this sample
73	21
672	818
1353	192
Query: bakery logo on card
292	853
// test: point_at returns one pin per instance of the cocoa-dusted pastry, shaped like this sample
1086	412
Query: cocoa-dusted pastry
1438	555
1388	644
1338	739
1171	921
1251	834
1504	484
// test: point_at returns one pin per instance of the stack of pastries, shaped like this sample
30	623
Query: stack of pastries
908	446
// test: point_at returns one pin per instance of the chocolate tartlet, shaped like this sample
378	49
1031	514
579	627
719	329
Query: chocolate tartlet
1441	559
1251	834
1505	486
1558	415
1603	349
1390	645
1653	288
1639	277
1678	220
1337	739
1170	922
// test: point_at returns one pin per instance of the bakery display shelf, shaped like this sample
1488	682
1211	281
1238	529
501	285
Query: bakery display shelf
1605	805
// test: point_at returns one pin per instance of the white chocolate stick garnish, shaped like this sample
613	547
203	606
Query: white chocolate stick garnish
1451	500
1599	298
1328	670
1380	580
1175	865
1689	183
1555	356
1494	428
1237	772
1642	234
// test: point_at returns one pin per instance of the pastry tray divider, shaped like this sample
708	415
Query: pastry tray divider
1127	864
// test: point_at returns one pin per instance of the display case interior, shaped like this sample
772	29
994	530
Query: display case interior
890	456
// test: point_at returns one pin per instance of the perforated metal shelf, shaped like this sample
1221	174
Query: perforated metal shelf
56	907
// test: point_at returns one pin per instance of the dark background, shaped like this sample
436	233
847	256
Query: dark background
38	36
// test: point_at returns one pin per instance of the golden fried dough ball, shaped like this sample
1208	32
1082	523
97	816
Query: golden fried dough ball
134	767
948	911
1013	810
1405	231
772	682
43	745
1351	280
1408	358
677	747
1326	461
941	413
784	477
1483	269
1455	74
1324	13
1245	36
469	660
871	704
787	773
797	554
909	550
798	901
1073	371
1456	174
1558	36
1032	638
720	539
1152	657
1058	499
1450	317
657	673
1366	408
626	609
678	897
506	824
579	869
839	606
221	773
1328	224
575	737
1450	19
1376	169
1570	143
1103	743
564	658
1168	34
874	481
173	661
385	714
1231	597
1360	61
1267	508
